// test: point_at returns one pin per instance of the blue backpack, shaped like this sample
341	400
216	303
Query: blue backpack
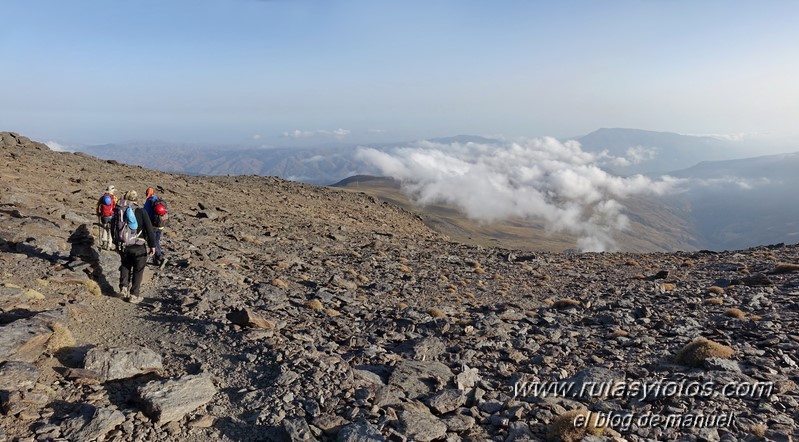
124	227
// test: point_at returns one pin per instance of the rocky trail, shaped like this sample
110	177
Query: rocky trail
290	312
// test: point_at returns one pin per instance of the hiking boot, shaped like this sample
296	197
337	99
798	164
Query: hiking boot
124	293
162	263
135	299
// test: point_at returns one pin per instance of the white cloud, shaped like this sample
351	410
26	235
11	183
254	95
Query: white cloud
58	147
256	137
740	136
337	133
299	134
540	178
741	183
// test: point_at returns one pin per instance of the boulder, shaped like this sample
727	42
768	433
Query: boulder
419	378
122	363
170	400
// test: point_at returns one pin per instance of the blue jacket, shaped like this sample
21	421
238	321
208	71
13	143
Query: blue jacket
149	207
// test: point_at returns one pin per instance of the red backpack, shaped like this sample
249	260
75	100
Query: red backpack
107	205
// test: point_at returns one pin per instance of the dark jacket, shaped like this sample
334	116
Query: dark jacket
145	226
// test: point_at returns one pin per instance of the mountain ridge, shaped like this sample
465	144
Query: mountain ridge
296	312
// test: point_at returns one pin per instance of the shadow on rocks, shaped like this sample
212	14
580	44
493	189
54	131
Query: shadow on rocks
72	357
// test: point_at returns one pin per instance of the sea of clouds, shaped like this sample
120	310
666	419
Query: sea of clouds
541	178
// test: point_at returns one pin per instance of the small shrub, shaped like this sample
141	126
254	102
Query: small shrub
479	270
574	425
280	283
632	263
332	312
786	268
92	286
714	289
695	353
758	429
402	306
714	301
404	260
404	269
60	338
619	332
473	263
436	313
565	303
755	318
734	313
33	294
668	287
363	278
315	305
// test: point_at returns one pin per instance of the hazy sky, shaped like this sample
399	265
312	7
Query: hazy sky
273	72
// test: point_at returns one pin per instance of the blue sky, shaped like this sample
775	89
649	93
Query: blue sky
283	71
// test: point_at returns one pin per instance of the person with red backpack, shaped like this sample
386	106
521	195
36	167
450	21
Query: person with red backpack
132	234
105	211
156	209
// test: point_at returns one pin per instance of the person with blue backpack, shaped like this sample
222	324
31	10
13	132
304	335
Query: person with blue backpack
156	209
132	234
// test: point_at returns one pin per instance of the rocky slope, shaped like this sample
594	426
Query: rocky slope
293	312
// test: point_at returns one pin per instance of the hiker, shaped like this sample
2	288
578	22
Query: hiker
105	211
129	225
156	209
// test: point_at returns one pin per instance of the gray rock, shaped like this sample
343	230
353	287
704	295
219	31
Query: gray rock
429	348
297	430
419	378
360	432
94	423
337	281
16	375
722	364
24	339
447	400
247	318
519	431
122	363
11	297
459	422
419	424
170	400
594	382
467	378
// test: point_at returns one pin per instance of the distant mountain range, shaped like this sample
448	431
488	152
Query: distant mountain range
646	151
726	203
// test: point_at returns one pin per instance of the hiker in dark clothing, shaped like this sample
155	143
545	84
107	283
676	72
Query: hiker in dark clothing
151	207
134	257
